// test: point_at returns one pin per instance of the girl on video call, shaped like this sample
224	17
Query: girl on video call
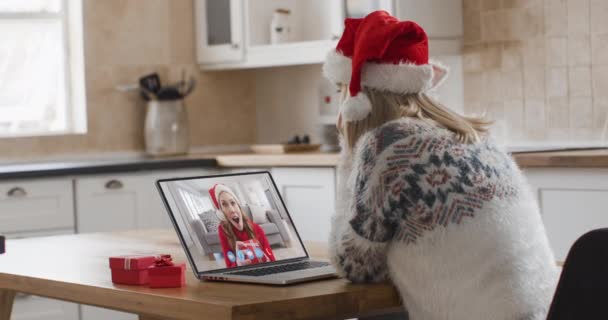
243	241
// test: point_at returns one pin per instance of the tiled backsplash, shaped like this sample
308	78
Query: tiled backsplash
539	66
125	39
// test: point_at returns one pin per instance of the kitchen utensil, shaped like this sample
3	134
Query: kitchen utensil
169	93
150	82
189	87
284	148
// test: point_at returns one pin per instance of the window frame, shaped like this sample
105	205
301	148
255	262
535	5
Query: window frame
71	18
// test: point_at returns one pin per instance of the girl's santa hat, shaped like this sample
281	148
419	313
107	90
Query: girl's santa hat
214	192
383	53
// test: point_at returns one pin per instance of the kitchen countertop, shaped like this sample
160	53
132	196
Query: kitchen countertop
316	159
60	168
597	158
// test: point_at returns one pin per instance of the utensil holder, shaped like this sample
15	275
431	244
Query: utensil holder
166	128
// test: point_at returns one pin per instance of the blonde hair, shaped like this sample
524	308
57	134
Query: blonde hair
388	106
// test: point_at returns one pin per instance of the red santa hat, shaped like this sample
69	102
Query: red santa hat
383	53
214	192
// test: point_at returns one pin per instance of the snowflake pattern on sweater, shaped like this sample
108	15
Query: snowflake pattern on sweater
411	177
428	179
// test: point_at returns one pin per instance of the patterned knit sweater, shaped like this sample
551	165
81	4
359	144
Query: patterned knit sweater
452	225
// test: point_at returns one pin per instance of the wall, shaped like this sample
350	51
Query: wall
287	99
539	65
125	39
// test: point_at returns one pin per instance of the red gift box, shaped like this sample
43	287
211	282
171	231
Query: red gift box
131	269
165	274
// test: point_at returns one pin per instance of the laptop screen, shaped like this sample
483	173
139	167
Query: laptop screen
230	221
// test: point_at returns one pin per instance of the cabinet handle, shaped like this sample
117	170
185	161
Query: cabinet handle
114	184
234	46
16	192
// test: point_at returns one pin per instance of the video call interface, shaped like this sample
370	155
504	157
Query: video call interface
232	221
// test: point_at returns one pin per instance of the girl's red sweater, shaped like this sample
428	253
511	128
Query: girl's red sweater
241	235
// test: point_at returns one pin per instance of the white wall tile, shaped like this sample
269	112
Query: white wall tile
599	12
579	50
578	17
579	79
557	82
556	17
581	111
599	49
534	82
557	51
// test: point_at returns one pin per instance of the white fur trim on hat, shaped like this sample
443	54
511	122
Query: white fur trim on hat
399	78
356	108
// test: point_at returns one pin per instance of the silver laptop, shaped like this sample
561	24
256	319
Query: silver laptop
235	227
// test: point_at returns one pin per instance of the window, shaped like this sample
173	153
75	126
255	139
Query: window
42	88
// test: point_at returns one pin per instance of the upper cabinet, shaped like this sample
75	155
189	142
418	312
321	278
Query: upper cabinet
233	34
219	31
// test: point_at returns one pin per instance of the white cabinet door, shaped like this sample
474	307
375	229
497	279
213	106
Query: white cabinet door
34	205
219	31
28	307
572	202
124	201
309	194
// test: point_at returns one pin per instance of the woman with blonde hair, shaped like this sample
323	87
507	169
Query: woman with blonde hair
425	198
243	241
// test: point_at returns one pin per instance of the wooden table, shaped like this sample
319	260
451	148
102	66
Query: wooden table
75	268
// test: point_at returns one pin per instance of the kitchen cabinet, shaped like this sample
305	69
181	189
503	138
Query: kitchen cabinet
236	34
219	31
123	202
29	307
35	205
310	196
572	202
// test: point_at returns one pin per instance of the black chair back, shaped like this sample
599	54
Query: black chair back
582	291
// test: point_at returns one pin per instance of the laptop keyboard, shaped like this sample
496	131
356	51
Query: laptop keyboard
282	268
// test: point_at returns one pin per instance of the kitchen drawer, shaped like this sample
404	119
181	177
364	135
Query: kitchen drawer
107	203
124	201
36	205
